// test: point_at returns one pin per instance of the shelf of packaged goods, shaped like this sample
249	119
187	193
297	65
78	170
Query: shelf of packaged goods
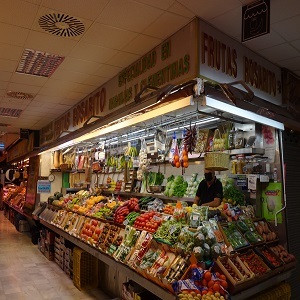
160	196
150	286
249	151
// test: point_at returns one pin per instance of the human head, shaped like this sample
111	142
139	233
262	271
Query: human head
209	175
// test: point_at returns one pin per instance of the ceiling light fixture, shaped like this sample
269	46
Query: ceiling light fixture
38	63
213	103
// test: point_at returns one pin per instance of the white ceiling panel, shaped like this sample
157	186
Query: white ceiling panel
3	85
159	29
12	104
158	3
18	12
289	29
95	81
92	52
14	35
178	8
78	8
107	71
75	96
232	28
265	41
79	65
279	52
49	43
291	64
123	59
296	44
18	87
61	74
8	65
22	102
5	76
10	51
28	79
129	15
108	36
210	9
59	85
281	10
142	44
84	88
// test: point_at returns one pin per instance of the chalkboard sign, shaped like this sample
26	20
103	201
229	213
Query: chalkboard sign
255	19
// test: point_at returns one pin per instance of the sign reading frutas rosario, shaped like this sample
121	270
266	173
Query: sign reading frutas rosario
224	60
173	61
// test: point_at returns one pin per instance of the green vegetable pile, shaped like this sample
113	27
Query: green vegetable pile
155	178
168	232
176	186
102	212
230	192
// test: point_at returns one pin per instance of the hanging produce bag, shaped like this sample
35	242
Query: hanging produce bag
216	160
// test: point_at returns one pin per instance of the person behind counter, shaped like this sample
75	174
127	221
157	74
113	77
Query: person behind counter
210	190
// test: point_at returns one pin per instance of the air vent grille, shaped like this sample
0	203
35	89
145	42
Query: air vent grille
10	112
61	24
38	63
19	95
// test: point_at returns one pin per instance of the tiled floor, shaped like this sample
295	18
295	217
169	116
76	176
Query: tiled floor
26	274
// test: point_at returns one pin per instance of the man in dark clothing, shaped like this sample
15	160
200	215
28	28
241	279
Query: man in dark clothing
210	190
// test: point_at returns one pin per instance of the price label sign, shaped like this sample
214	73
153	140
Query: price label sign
241	180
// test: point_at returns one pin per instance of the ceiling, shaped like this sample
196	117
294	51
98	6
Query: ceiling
111	35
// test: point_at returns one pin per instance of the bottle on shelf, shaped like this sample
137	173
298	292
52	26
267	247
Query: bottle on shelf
275	175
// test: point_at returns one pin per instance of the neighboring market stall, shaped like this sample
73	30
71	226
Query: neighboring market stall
123	183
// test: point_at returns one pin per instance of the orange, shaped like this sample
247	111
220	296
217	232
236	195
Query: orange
185	164
185	158
204	282
224	284
204	292
210	283
223	277
177	164
217	274
176	158
184	152
210	293
207	276
216	287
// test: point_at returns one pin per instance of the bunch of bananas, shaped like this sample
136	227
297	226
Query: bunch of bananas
112	161
131	151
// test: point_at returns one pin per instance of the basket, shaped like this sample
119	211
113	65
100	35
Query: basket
85	269
217	161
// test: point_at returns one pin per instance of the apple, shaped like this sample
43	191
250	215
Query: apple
87	226
94	222
93	228
97	230
89	233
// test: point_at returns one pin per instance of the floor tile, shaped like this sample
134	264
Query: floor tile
27	275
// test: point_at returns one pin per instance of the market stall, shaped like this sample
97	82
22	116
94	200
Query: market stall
138	158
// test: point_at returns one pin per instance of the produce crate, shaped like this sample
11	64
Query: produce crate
246	273
230	271
85	269
270	258
258	264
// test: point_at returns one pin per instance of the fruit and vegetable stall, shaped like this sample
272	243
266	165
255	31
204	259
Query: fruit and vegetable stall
188	252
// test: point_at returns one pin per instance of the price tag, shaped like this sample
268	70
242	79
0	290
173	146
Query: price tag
156	218
172	229
126	222
264	178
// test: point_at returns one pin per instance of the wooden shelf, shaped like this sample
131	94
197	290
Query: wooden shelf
130	273
160	196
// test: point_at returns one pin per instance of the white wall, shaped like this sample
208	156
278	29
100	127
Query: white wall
45	167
